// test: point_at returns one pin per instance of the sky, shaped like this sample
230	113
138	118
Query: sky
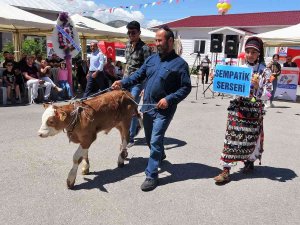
166	12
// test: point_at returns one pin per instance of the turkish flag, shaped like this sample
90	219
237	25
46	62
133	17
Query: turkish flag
101	46
110	50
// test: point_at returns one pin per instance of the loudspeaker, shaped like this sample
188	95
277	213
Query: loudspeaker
232	46
216	43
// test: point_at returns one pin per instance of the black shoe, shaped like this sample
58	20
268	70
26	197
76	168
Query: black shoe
35	101
47	100
249	167
163	157
149	184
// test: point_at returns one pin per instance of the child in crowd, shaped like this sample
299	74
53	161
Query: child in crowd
109	70
119	69
19	77
11	84
62	79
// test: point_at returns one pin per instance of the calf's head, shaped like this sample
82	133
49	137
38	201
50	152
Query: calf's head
53	121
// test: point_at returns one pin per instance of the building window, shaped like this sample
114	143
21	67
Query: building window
199	46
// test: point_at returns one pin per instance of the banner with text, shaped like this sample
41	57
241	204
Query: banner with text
287	84
232	80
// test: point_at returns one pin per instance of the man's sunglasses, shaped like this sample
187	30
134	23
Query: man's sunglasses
132	33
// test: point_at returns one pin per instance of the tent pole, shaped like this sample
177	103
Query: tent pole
83	48
17	42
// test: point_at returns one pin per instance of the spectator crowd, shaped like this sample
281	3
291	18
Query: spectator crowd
41	79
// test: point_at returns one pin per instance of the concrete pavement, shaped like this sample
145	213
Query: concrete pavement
34	171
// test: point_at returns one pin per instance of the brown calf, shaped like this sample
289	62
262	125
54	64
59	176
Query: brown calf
83	120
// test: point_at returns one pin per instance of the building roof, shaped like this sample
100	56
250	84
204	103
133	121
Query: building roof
283	18
40	5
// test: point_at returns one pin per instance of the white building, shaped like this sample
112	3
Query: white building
195	30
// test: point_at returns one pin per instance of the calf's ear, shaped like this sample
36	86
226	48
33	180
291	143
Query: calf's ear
62	115
46	105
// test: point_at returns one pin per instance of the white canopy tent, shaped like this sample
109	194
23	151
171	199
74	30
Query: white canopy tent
94	29
20	22
146	35
289	36
12	19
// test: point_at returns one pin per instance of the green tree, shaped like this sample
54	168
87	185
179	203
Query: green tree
32	47
9	47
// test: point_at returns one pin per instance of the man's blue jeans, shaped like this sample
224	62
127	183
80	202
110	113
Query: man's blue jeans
94	84
135	92
155	126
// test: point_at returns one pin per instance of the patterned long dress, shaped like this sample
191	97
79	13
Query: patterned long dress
244	131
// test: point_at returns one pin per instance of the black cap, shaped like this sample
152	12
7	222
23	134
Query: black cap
134	25
254	42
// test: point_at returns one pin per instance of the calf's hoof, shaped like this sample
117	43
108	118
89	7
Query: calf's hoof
85	172
121	165
124	154
70	184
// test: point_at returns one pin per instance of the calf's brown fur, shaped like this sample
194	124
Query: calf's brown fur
83	120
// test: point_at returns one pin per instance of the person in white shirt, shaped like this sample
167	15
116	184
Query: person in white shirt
205	68
96	78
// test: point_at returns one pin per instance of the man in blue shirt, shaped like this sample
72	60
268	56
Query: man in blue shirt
96	78
167	82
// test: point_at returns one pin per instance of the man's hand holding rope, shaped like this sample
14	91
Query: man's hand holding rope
162	104
117	85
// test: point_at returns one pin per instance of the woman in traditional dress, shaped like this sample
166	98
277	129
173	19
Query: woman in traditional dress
244	133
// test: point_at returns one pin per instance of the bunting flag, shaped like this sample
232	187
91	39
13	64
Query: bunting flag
137	6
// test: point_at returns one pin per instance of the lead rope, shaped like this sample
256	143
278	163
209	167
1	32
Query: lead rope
110	89
76	116
96	94
154	105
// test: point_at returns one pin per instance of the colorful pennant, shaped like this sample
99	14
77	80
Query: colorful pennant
132	7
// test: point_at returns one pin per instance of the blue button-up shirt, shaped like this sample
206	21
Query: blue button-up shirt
167	78
97	60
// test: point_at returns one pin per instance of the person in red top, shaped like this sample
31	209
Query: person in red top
62	79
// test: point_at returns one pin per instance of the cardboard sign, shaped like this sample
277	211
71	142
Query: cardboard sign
287	84
232	80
